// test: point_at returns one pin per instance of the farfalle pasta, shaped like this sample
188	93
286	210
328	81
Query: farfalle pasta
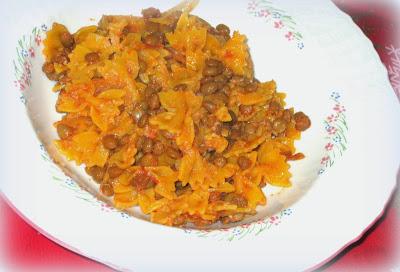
164	113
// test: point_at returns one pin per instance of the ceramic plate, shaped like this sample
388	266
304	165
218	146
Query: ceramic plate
316	54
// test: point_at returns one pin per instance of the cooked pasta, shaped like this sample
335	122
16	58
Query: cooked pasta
164	112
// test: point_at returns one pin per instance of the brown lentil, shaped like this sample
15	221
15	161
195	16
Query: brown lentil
154	39
151	27
158	148
106	189
205	80
223	29
244	162
220	98
240	81
228	73
48	68
96	172
236	199
279	126
114	171
212	70
235	133
124	140
214	197
221	79
154	102
147	145
250	129
92	58
252	87
209	106
219	161
144	119
110	141
67	40
232	218
173	153
148	160
246	110
151	13
274	107
213	63
142	181
302	121
209	88
61	58
176	55
154	85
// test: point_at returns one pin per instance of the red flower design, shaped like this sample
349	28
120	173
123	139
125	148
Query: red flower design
329	146
252	5
278	24
339	108
263	13
332	118
27	68
31	52
325	160
331	130
21	86
38	40
289	36
260	221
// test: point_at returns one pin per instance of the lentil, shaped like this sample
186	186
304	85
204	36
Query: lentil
110	141
302	121
244	162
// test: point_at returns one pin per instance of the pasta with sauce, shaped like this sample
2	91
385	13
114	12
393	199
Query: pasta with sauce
164	112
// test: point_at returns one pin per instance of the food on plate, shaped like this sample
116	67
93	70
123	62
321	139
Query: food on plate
164	113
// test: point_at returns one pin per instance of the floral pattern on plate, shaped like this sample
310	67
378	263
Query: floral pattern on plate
336	131
66	182
244	230
278	18
26	51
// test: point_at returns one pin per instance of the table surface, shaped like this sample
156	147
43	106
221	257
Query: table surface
24	249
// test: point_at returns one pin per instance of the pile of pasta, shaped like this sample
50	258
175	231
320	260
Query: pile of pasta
164	112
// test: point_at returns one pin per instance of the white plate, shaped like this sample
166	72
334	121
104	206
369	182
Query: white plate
314	52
